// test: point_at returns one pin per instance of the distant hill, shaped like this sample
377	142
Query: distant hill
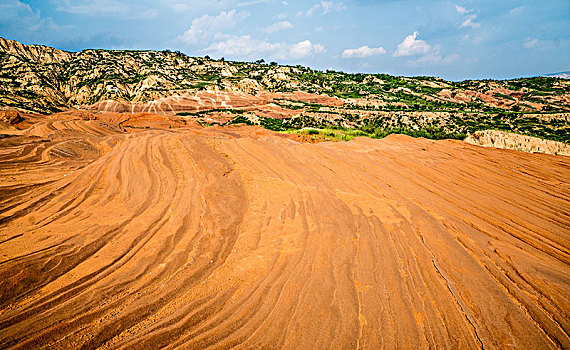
42	79
45	80
562	75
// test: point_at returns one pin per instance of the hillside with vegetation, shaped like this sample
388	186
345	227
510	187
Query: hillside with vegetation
45	80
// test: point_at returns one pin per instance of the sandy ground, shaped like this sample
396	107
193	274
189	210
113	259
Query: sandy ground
195	238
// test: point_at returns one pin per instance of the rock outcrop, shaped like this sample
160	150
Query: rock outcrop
517	142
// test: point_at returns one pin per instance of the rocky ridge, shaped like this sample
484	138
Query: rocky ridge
45	80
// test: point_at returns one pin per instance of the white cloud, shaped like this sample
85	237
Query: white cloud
470	22
303	49
434	57
461	10
180	7
241	46
324	7
431	55
277	26
209	27
530	43
312	9
363	51
246	47
281	16
516	11
327	6
410	46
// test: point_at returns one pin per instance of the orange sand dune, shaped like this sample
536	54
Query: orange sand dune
238	237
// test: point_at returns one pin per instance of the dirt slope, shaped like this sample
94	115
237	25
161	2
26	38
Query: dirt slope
238	237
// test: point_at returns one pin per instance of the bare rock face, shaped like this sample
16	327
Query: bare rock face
228	71
40	53
249	86
201	101
523	143
11	117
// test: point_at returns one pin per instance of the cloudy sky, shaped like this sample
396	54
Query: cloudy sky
462	39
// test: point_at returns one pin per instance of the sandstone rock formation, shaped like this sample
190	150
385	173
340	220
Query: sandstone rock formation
523	143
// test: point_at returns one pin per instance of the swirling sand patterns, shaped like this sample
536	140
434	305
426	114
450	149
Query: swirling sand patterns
237	237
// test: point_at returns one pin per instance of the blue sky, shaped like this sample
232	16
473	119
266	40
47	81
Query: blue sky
462	39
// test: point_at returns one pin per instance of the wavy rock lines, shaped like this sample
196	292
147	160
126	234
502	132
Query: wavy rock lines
238	237
158	230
